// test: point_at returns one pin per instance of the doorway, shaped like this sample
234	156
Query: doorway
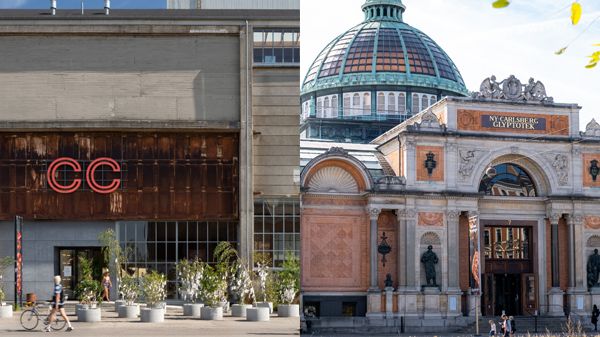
69	267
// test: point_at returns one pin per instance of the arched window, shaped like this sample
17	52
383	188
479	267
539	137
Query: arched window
391	108
334	106
327	108
415	104
320	107
347	105
367	104
401	103
381	103
432	100
355	105
424	102
507	180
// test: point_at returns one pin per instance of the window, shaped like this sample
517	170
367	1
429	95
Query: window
432	100
424	102
276	228
381	103
509	243
306	109
401	103
507	180
347	105
366	104
320	107
159	245
327	106
391	109
277	46
415	104
334	106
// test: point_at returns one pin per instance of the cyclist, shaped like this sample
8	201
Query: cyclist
58	305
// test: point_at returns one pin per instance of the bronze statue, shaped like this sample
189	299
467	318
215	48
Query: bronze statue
593	269
388	281
430	259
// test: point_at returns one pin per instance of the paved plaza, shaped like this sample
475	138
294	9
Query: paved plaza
174	325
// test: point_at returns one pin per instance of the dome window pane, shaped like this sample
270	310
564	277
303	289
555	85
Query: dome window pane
367	104
380	103
424	102
335	58
390	56
392	104
401	103
415	104
361	51
418	56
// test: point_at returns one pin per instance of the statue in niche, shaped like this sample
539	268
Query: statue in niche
388	281
430	259
593	269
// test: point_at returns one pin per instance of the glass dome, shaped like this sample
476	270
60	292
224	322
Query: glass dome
384	50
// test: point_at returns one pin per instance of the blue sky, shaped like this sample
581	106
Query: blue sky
65	4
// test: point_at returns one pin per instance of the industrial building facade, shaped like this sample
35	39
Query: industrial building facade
157	124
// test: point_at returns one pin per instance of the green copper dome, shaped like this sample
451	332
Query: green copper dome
383	50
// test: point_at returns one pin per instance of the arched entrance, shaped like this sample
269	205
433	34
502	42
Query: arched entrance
508	245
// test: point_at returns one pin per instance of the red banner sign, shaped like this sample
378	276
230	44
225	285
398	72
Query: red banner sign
89	175
18	259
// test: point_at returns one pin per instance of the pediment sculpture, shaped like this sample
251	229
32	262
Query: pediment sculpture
513	90
592	129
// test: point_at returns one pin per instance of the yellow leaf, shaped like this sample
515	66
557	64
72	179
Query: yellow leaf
591	65
575	12
595	57
500	3
561	51
596	45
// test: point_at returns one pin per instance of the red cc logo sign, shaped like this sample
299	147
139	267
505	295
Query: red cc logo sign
89	175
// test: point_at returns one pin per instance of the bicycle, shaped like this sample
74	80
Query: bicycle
30	319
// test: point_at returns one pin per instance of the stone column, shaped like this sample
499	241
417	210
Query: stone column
555	296
571	224
400	253
407	290
453	289
374	216
374	293
577	291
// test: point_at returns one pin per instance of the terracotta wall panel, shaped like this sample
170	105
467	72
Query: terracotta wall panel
437	173
471	120
588	180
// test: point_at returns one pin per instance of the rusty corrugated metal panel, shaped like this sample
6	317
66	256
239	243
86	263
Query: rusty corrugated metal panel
190	176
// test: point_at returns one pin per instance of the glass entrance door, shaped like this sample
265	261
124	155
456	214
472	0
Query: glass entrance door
70	270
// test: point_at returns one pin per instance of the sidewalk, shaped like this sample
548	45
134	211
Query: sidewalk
174	325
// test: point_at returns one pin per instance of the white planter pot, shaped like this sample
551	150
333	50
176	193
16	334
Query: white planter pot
152	315
239	310
193	309
258	314
288	310
80	306
225	306
89	315
212	314
129	311
6	311
119	303
265	305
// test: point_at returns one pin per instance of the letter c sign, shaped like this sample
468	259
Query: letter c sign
89	175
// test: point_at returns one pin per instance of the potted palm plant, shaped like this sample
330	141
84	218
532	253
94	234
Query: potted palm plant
89	293
190	276
289	283
214	287
129	289
154	291
6	311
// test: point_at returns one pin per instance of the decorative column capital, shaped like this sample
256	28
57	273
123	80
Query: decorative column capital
575	219
452	214
473	213
554	218
374	213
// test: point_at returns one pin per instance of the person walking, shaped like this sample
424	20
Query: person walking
506	326
595	314
58	305
513	327
106	285
492	327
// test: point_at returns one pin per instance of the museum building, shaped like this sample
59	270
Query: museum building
486	201
170	127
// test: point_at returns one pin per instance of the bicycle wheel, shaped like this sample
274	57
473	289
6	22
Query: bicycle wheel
59	323
29	319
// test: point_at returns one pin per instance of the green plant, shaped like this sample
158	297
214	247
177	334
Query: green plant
289	279
264	277
5	262
129	289
88	291
213	286
112	251
190	276
154	288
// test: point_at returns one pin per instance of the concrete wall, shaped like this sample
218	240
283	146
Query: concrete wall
275	96
40	240
120	77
